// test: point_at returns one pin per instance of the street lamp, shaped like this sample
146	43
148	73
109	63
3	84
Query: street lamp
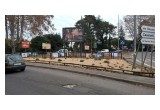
118	32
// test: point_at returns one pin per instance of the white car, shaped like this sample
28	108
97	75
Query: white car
104	50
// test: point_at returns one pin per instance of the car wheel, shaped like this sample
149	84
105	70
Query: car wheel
23	69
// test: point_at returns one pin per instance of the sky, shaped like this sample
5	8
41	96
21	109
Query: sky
61	21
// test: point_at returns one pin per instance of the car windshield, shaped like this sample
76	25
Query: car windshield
15	58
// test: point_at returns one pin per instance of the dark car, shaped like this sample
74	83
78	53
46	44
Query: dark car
14	62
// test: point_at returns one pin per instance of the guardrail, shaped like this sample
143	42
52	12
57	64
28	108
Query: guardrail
149	74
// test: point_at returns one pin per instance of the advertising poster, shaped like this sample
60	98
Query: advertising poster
72	34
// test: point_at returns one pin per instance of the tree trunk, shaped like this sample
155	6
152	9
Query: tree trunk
12	24
22	26
18	39
6	26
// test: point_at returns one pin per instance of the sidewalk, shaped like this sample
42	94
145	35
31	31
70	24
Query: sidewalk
137	80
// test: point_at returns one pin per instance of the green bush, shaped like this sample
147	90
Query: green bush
81	60
106	61
37	59
59	60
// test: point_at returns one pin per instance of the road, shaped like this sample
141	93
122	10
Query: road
148	58
139	57
40	81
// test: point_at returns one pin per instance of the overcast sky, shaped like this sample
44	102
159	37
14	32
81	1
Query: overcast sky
61	21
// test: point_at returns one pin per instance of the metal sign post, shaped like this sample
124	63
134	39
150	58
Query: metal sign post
145	56
135	35
151	56
142	59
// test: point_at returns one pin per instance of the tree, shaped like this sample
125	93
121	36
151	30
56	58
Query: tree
95	29
141	20
55	41
121	33
36	43
87	24
18	26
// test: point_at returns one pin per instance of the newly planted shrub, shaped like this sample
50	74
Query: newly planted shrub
37	59
81	60
59	60
106	61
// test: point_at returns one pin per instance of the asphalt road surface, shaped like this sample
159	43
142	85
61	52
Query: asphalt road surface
139	58
148	58
40	81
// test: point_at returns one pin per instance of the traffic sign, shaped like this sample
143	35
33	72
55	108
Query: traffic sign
122	42
148	35
148	29
99	42
147	41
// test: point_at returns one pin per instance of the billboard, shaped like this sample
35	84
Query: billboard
86	47
72	34
25	44
46	46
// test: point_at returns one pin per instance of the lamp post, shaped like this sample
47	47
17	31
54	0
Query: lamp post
118	32
135	32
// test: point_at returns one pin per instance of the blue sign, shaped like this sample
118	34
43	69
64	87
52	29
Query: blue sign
122	41
99	42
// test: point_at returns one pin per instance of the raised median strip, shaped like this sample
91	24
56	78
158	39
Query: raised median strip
150	74
138	80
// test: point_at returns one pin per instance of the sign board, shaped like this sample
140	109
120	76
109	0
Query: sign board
99	42
148	35
55	55
147	41
148	29
24	55
25	44
34	53
86	47
72	34
46	46
122	42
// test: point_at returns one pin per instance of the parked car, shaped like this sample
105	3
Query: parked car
14	62
62	51
104	50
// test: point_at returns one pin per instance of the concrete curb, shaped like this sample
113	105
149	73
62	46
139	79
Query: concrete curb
98	75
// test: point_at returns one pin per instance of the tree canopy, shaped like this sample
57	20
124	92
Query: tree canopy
18	26
95	29
140	20
55	41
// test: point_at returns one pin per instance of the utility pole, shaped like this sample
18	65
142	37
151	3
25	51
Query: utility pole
135	33
118	32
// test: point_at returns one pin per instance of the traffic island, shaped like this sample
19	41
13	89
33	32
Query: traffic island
111	65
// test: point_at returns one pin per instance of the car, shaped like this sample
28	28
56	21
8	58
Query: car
14	62
104	50
62	51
